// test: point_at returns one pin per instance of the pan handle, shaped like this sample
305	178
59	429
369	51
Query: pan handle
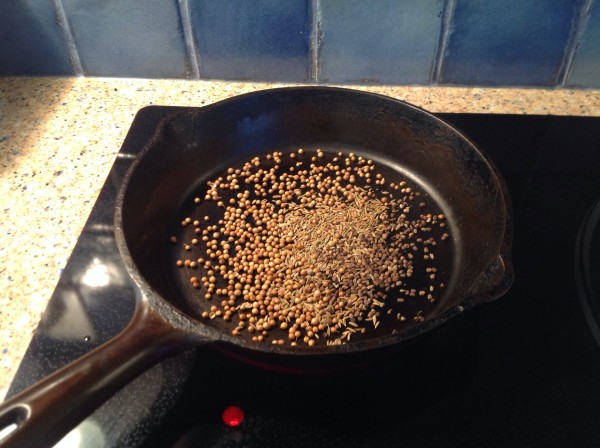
44	413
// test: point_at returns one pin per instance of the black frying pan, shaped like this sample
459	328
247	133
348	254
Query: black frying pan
186	151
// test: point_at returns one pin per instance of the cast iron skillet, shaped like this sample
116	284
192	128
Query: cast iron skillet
188	149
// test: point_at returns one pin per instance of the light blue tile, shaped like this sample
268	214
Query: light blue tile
137	38
265	40
31	42
381	41
585	71
508	42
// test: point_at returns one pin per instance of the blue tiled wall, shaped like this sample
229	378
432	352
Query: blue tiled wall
31	42
260	39
507	42
391	41
128	38
585	70
459	42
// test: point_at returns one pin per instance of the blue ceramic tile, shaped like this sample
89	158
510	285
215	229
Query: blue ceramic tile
137	38
585	71
252	40
385	41
508	42
31	42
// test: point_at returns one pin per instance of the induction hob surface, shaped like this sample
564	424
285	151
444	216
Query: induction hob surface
521	371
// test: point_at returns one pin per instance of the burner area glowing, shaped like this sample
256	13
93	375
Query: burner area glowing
233	416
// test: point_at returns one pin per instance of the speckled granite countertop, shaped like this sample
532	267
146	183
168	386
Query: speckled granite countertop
58	140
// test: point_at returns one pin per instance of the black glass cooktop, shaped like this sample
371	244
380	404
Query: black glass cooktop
522	371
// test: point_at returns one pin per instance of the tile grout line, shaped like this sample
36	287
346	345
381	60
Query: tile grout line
447	17
315	41
188	37
575	36
63	23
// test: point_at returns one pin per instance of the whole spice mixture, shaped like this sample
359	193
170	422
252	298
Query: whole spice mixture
307	247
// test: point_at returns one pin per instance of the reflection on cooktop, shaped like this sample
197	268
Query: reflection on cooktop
587	267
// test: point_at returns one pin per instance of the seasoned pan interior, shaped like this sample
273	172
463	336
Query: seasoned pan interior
396	316
404	141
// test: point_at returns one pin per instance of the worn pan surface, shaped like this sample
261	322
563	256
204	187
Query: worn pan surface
186	151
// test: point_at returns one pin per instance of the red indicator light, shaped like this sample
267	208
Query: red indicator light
233	416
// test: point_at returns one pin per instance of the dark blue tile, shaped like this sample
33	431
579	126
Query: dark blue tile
252	40
585	71
31	42
509	42
387	41
137	38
